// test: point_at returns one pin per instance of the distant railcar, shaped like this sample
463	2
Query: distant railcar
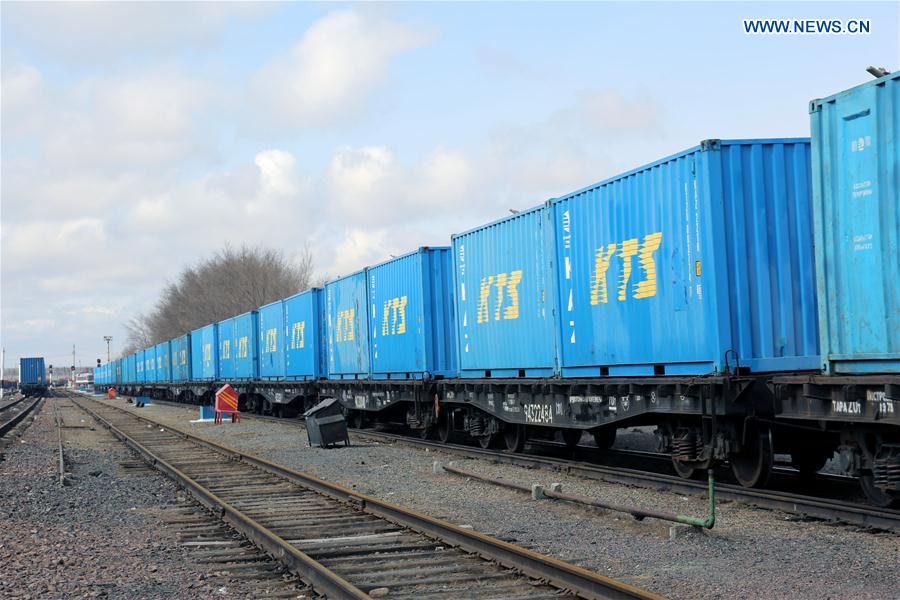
32	375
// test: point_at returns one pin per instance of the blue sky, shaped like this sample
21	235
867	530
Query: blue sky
137	138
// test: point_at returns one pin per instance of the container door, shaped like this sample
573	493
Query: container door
856	206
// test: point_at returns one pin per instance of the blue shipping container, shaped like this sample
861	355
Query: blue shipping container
163	362
305	345
226	349
181	358
139	367
196	355
205	353
347	327
129	374
665	268
856	207
271	340
504	298
411	316
246	363
32	371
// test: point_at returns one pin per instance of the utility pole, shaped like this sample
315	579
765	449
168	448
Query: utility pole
108	339
72	370
2	370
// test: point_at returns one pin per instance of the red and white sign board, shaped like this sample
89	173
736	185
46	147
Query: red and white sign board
227	403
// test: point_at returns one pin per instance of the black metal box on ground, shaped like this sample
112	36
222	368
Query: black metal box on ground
325	424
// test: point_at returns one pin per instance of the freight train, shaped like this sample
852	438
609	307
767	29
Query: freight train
739	295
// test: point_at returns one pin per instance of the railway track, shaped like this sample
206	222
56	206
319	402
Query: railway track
14	412
344	544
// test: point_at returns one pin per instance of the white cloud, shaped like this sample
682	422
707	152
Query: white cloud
21	84
105	32
330	73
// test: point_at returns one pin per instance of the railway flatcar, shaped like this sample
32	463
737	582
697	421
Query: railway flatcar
736	295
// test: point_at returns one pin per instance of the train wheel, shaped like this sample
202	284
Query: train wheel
809	462
571	437
605	437
514	436
425	433
753	465
488	441
444	429
875	495
684	471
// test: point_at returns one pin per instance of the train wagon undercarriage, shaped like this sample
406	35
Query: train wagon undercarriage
699	420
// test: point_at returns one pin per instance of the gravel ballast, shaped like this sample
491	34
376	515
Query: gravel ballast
102	535
751	553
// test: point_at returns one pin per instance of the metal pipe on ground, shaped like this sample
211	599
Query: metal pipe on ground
638	513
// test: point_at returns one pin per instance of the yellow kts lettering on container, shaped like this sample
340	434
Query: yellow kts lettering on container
272	339
393	321
298	331
242	349
207	352
644	250
343	330
506	305
226	348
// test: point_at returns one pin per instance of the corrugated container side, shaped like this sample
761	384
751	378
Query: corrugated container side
246	360
304	352
347	327
164	355
504	298
271	340
128	374
665	268
197	355
209	347
139	367
32	371
410	316
856	175
181	358
150	364
227	348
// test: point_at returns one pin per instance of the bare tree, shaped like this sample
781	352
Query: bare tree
229	283
138	335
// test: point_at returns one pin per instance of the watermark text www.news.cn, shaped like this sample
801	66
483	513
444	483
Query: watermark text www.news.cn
807	26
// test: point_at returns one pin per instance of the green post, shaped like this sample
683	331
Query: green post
710	520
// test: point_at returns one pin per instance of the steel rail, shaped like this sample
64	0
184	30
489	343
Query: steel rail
557	573
12	403
851	513
8	425
322	579
62	460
